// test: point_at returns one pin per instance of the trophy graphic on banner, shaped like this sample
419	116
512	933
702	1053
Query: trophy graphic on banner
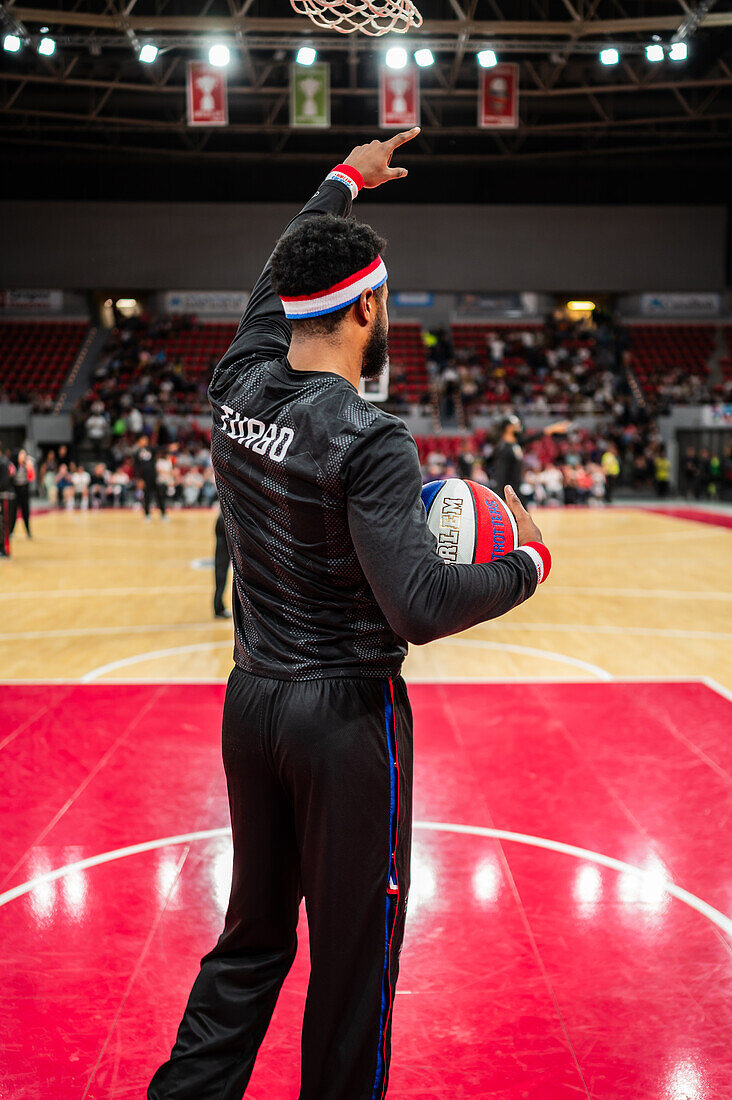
310	87
399	89
207	85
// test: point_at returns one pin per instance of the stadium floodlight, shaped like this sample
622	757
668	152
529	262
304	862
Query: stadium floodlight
679	51
424	58
11	43
609	56
654	52
306	55
219	55
47	47
581	305
148	53
487	59
396	57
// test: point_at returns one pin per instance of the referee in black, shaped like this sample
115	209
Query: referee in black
145	467
335	570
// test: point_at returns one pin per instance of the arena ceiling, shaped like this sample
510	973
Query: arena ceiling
92	120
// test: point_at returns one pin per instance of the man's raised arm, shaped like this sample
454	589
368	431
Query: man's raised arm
264	332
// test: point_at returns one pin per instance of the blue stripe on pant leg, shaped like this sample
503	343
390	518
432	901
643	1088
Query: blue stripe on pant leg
391	899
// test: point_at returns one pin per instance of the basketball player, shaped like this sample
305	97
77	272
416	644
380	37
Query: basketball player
335	570
507	463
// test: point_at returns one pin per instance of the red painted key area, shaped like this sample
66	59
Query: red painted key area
527	972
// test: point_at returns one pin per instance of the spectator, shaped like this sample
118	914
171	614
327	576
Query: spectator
690	472
23	476
662	472
611	468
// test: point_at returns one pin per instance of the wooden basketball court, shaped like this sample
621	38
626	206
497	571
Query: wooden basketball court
569	930
107	597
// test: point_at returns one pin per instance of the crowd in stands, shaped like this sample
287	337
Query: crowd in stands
183	472
135	392
563	368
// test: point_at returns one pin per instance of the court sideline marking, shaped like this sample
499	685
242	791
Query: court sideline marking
170	628
702	907
549	655
148	590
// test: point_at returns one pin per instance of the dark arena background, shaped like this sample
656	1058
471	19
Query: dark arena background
559	251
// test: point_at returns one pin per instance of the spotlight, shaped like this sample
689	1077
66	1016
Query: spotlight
609	56
306	55
581	306
654	52
679	51
11	43
424	58
396	57
148	53
47	47
219	55
487	59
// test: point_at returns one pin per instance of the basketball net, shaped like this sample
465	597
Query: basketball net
373	17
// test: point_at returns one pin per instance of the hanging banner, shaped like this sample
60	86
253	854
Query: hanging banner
398	98
498	102
681	305
207	100
216	303
310	95
31	301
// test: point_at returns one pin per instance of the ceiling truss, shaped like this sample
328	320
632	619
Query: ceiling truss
94	94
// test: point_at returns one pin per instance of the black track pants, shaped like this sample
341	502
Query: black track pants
320	788
150	489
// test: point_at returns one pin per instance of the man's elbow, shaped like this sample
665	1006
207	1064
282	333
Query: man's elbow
417	629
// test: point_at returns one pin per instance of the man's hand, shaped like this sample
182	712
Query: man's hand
372	160
559	427
527	529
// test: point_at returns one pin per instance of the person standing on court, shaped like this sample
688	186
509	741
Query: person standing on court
146	472
23	477
507	461
611	468
221	568
335	571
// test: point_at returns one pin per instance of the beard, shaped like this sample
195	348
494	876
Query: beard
375	353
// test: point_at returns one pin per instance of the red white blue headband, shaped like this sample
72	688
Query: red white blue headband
336	297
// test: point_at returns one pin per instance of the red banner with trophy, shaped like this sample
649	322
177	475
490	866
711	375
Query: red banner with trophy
207	100
498	103
399	98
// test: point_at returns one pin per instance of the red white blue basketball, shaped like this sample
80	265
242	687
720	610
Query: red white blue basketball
470	522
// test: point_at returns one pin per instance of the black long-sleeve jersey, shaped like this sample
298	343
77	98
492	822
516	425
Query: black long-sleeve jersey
334	566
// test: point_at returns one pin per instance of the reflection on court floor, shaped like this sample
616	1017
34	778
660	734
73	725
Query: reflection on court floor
569	930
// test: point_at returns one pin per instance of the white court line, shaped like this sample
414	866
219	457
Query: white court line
561	658
696	531
639	593
150	590
84	631
152	655
591	628
573	628
719	919
545	654
714	685
155	589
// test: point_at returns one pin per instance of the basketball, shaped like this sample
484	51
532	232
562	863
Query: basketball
470	522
